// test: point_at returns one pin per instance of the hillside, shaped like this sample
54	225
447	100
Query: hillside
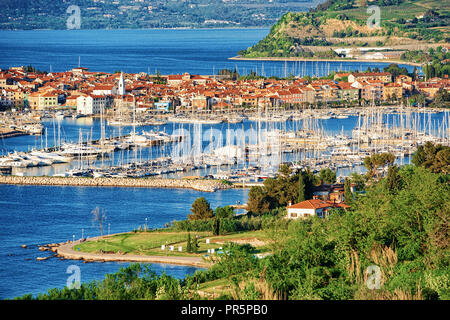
135	14
404	25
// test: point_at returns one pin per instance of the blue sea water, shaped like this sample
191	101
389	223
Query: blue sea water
197	51
34	215
68	130
37	215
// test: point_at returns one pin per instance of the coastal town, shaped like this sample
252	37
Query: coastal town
226	150
83	92
143	101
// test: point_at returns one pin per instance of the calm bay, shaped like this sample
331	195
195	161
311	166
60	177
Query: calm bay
36	215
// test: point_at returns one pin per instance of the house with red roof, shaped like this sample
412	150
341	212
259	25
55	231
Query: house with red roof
384	77
103	89
313	207
174	79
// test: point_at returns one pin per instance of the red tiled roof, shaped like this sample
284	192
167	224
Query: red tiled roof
175	77
104	87
317	204
370	74
311	204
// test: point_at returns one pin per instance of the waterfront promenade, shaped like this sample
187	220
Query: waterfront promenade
199	185
66	251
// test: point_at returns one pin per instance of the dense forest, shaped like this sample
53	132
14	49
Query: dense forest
397	225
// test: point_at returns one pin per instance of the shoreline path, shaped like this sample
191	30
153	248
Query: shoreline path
66	251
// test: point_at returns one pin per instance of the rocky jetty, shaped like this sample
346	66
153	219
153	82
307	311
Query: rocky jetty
200	185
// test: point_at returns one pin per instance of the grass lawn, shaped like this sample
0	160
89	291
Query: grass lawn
216	287
149	243
219	286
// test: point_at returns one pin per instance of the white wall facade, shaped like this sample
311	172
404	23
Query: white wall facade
295	213
88	105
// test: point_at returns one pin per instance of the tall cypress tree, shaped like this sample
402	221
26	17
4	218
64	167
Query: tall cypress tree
216	226
189	243
348	195
393	179
301	188
195	245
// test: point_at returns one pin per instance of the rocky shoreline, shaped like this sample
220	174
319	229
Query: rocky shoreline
199	185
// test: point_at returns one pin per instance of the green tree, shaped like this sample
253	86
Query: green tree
216	226
438	101
348	195
301	189
358	180
201	209
327	176
224	212
258	200
310	180
195	245
393	179
189	243
419	156
421	100
433	157
395	70
284	171
376	161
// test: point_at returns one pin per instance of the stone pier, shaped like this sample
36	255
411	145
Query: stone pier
200	185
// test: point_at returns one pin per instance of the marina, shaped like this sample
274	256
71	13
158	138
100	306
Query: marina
13	126
246	151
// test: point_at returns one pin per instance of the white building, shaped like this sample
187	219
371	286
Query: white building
373	56
313	207
307	208
90	104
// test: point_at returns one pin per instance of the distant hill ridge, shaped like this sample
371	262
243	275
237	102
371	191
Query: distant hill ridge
136	14
345	24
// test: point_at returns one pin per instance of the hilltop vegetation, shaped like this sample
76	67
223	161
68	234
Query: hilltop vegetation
345	23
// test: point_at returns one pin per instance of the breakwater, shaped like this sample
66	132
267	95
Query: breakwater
13	133
199	185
